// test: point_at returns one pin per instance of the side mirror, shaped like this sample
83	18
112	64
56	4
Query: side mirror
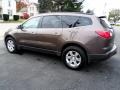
20	27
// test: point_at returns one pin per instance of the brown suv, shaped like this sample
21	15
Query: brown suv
77	38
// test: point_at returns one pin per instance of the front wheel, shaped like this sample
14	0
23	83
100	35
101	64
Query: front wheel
74	57
11	45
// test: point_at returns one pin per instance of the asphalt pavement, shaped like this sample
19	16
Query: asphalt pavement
37	71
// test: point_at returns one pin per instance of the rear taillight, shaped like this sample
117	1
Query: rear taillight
104	34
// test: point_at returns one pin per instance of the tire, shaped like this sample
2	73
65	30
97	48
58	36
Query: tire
74	57
11	45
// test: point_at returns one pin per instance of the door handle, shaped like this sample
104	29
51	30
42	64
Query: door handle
76	27
33	32
24	30
56	33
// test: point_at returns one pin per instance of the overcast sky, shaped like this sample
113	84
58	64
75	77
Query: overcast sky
101	6
33	1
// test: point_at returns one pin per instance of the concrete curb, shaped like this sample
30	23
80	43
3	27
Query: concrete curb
1	21
1	38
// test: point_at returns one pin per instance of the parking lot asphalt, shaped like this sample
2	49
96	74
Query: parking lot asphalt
5	26
37	71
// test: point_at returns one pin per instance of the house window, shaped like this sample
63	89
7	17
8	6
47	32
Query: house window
10	12
9	4
0	10
0	13
32	8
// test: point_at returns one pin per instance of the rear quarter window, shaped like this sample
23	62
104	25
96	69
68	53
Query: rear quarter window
105	23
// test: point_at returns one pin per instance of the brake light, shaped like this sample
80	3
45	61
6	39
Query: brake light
104	34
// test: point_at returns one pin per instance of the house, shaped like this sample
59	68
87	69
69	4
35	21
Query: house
25	6
0	9
7	7
32	9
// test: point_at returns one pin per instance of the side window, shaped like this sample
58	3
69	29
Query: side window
51	22
68	21
84	21
75	21
32	23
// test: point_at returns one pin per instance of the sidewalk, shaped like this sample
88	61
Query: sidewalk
1	38
5	26
1	21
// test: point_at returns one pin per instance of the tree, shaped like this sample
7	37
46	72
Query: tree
114	15
60	5
20	5
45	5
72	6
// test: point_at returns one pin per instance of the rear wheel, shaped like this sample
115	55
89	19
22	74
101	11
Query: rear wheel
74	57
11	45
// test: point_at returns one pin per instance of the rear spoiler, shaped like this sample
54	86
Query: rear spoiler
102	17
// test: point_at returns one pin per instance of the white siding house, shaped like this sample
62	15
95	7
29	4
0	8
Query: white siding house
0	9
32	9
8	7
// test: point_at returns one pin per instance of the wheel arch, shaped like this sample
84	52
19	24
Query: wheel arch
75	44
9	36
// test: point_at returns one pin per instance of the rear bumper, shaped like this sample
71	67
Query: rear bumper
101	57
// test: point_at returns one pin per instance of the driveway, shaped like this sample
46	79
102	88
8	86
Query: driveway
6	26
37	71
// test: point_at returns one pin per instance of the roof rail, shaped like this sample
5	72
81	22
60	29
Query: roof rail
72	12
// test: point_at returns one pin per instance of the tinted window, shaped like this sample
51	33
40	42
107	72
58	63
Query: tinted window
105	23
51	22
75	21
83	21
32	23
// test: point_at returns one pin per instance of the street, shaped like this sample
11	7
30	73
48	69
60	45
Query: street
37	71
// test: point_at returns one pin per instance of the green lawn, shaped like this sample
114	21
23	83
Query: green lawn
12	21
116	25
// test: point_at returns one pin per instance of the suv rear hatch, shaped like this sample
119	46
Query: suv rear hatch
108	33
107	26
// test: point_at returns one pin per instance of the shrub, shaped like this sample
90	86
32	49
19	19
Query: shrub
16	17
26	15
5	17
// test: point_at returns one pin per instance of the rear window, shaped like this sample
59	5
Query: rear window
75	21
105	23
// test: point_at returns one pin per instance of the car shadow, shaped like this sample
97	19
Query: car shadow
101	66
44	57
